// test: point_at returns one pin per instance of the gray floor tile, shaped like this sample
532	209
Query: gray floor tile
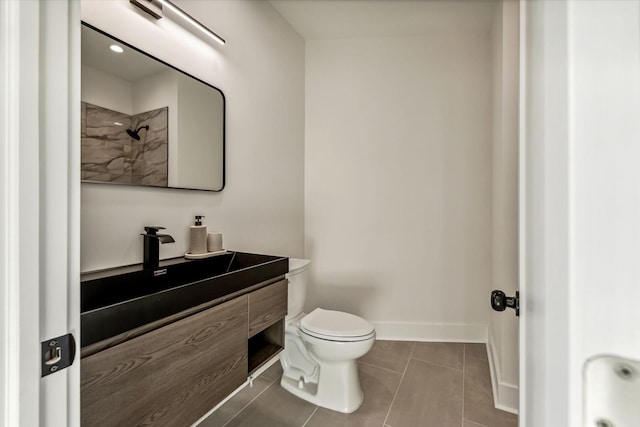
392	355
429	395
478	397
441	353
379	386
234	405
275	407
478	350
274	372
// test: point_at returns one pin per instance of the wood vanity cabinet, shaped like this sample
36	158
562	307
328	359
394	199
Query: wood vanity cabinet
267	309
174	375
267	306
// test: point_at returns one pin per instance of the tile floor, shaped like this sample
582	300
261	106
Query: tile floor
408	384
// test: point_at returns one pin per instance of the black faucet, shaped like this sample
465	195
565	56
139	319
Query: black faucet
152	242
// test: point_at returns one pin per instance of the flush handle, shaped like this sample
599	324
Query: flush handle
500	302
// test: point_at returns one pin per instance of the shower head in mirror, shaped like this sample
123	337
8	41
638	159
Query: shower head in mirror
134	133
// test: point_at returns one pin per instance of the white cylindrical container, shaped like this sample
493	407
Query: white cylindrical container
214	242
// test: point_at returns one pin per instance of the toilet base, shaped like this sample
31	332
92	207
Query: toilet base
338	387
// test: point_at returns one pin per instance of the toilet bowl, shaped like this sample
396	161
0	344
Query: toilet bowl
321	349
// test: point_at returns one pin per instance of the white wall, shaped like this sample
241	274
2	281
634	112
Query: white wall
106	90
503	327
158	91
155	91
261	72
198	163
398	182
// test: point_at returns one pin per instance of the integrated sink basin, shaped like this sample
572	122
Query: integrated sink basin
117	301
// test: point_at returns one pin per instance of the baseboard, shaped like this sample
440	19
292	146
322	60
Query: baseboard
505	396
431	332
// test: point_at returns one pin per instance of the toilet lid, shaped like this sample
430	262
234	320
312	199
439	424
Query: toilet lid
335	324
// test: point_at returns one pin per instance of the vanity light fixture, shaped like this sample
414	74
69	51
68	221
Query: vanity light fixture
155	9
182	14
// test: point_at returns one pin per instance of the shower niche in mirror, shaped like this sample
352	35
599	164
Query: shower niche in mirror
145	122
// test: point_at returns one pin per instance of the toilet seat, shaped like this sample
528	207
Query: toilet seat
336	326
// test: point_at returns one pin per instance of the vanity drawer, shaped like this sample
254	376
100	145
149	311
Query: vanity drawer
267	306
171	376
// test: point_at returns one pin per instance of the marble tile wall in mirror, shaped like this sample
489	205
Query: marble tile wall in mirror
109	154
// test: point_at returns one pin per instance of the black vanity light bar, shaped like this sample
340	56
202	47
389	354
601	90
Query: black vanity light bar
154	8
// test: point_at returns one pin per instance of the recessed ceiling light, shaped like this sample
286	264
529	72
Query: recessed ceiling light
116	48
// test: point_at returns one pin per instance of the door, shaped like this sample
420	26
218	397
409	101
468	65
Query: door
580	199
39	200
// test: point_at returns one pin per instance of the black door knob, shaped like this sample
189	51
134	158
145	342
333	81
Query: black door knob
500	302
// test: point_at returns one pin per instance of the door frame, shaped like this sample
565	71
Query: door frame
39	206
545	240
580	100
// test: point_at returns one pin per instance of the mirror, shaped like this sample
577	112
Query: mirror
145	122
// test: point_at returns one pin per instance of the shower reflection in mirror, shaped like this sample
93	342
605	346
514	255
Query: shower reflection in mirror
122	148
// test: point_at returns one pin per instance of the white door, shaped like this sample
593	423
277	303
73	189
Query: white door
580	199
39	207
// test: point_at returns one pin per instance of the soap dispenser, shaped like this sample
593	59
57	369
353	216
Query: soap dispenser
198	237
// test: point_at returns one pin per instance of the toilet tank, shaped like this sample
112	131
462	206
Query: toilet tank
298	279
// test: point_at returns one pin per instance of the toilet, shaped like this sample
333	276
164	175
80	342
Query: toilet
321	349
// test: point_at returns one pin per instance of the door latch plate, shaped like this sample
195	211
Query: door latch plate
57	353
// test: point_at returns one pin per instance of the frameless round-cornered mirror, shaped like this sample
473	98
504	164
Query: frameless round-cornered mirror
145	122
